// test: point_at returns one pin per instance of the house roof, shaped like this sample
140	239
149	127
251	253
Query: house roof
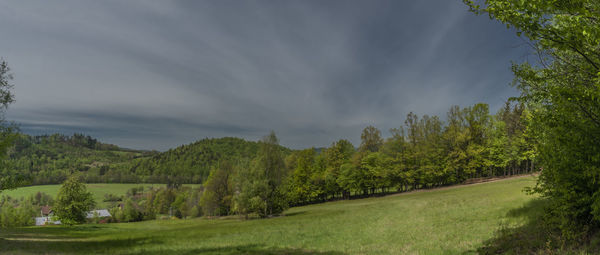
101	213
46	210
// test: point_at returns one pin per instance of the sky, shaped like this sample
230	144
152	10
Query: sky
150	74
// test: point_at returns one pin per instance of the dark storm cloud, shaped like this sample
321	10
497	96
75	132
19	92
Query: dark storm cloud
157	74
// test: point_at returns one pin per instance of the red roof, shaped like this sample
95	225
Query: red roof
46	210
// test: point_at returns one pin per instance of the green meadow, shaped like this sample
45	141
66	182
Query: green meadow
453	220
98	190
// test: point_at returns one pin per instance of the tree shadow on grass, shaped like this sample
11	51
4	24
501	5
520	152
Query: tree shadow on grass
530	238
295	213
43	244
254	249
56	232
536	236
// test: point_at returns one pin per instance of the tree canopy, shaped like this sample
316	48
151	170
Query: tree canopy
7	130
563	92
73	202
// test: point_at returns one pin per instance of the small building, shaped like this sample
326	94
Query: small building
41	221
46	211
47	214
103	213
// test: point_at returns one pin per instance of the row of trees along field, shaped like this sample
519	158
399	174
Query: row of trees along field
424	153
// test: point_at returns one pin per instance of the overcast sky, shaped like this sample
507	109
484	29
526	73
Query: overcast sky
158	74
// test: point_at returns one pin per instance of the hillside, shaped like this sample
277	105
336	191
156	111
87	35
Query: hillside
192	163
49	159
453	220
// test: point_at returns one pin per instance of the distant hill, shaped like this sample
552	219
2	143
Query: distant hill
194	161
49	159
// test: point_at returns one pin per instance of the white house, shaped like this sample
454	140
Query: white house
47	214
101	213
46	217
41	221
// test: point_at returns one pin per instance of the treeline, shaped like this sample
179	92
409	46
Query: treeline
423	153
147	204
426	152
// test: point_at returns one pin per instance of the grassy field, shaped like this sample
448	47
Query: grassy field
455	220
98	190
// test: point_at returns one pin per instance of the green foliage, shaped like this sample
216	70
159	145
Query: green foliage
261	188
7	130
218	191
370	139
455	220
18	213
192	163
73	202
424	153
151	203
50	159
563	92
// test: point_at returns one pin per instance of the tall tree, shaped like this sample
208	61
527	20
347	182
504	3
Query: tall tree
301	188
337	155
218	190
73	202
477	120
563	89
7	130
370	139
260	189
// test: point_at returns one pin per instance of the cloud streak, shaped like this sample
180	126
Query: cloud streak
157	74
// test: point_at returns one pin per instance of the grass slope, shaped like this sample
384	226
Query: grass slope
454	220
98	190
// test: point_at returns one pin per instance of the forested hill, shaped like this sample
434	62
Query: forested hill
192	163
50	159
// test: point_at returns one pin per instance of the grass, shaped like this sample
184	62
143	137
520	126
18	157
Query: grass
98	190
455	220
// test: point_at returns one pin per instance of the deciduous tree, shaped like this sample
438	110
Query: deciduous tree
73	202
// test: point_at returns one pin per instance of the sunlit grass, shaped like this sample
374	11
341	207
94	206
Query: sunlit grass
447	221
98	190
